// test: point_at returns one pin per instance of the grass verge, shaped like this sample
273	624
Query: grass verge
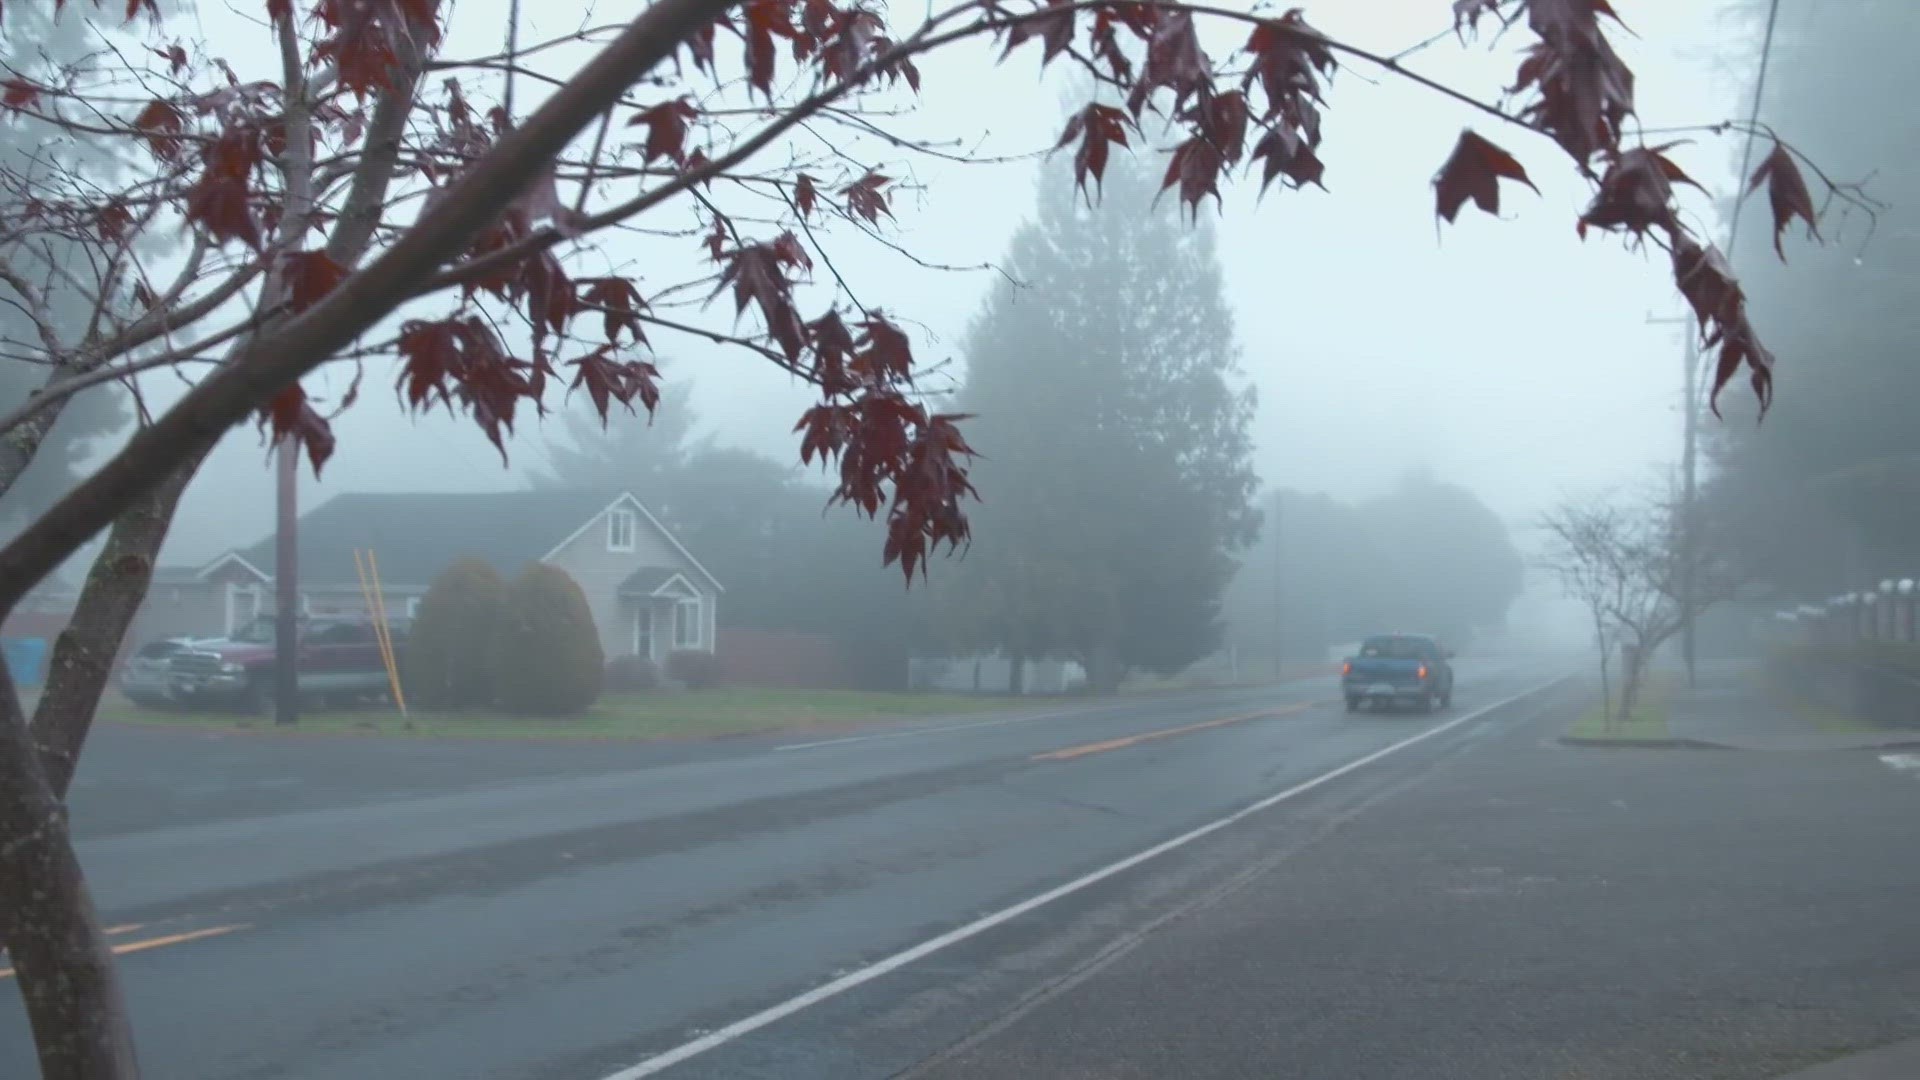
1648	722
653	715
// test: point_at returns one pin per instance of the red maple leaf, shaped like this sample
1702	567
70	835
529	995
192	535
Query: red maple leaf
1174	61
1636	194
1289	59
667	125
804	195
866	199
620	303
1289	154
1099	127
765	20
759	274
833	348
1583	89
111	221
1705	279
1052	26
608	380
1467	14
1195	166
309	277
883	352
1474	171
1787	192
18	95
291	416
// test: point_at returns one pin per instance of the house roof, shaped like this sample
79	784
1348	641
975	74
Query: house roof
651	581
415	536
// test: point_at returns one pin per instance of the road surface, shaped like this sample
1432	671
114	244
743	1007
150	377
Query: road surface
906	898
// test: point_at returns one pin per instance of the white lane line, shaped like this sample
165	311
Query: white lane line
1902	762
844	983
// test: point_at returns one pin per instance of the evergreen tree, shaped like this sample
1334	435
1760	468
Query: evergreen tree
1113	425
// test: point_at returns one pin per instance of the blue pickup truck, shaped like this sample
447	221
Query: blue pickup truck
1399	669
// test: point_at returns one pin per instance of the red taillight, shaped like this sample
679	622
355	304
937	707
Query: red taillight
1423	671
1346	668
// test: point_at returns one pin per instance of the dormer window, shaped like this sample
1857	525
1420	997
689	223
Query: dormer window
622	524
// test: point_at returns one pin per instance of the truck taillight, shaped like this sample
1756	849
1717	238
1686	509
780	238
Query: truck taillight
1423	671
1346	668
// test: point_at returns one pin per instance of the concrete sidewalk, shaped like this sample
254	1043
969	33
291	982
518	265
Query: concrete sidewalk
1732	706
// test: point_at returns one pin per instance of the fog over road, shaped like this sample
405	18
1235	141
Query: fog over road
352	908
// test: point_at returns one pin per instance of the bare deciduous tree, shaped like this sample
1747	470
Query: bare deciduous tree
1625	563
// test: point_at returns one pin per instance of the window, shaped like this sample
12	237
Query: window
413	607
686	624
621	525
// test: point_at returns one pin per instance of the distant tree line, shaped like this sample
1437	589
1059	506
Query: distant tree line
1426	557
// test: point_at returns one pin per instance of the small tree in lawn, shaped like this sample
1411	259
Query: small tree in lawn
356	174
546	653
1626	562
449	656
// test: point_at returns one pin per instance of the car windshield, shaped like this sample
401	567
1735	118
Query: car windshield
1395	648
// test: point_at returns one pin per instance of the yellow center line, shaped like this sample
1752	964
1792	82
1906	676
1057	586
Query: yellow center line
1071	752
157	942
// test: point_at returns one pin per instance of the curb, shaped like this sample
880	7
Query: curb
1897	744
1895	1061
1642	744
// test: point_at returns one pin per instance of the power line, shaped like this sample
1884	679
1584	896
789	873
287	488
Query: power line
1753	122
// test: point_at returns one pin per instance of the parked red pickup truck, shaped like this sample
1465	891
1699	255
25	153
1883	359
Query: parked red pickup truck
338	664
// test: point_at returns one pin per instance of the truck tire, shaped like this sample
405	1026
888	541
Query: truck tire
1353	704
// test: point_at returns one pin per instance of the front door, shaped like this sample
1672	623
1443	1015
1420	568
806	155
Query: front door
643	630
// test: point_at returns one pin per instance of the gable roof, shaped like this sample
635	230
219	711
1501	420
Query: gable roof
630	501
415	536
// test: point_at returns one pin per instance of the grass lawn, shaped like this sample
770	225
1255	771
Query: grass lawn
1649	719
650	715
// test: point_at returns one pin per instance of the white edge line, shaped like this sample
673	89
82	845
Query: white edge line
841	985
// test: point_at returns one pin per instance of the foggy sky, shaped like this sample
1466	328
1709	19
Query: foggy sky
1507	356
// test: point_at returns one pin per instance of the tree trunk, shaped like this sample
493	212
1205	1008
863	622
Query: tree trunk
84	654
1630	677
60	957
1017	675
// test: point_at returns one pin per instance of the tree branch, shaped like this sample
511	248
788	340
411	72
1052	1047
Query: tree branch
283	354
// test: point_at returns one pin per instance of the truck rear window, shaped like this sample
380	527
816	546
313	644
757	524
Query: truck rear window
1394	649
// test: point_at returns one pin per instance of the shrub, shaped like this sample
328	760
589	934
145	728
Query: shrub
448	661
694	669
547	657
632	673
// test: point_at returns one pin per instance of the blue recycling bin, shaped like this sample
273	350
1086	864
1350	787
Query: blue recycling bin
26	659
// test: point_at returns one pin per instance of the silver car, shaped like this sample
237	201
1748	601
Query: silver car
146	676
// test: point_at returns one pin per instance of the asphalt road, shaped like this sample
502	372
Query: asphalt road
580	912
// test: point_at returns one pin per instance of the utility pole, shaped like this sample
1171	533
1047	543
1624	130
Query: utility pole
286	583
1279	623
1690	402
